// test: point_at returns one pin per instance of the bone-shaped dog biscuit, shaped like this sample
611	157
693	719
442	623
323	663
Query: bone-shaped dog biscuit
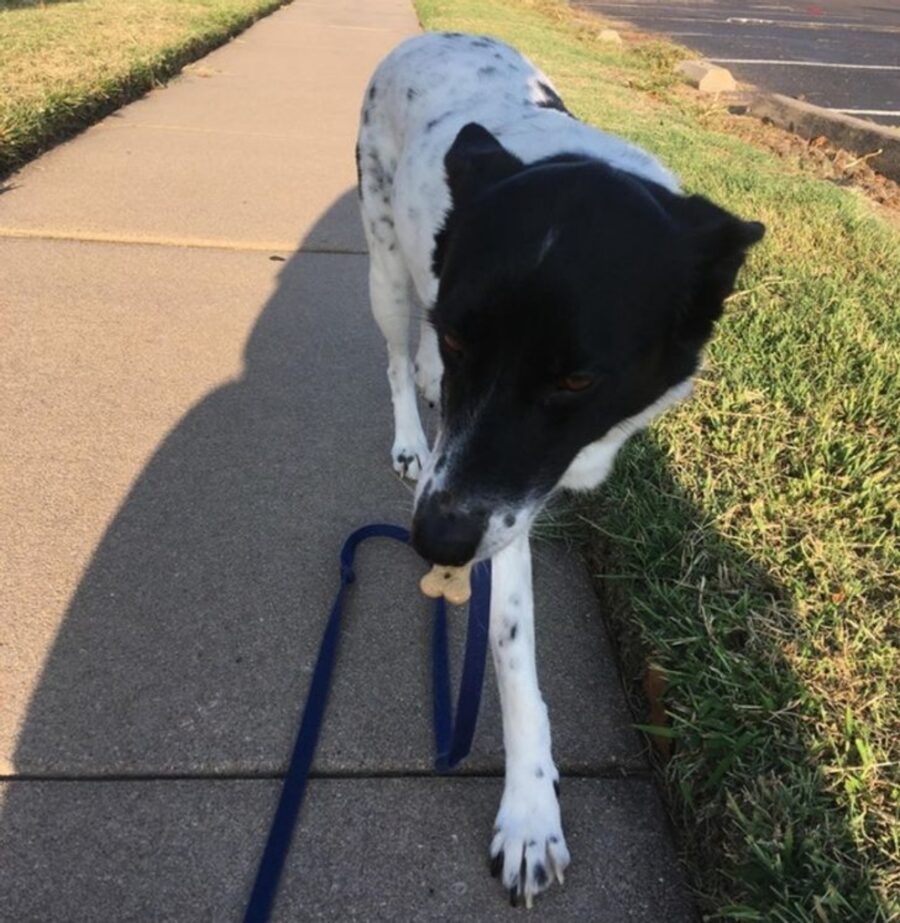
450	582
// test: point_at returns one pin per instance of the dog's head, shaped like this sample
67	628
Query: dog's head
574	302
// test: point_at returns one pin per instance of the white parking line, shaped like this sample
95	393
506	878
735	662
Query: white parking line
654	7
662	7
777	63
867	111
795	24
660	16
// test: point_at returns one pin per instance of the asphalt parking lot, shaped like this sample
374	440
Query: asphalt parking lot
842	55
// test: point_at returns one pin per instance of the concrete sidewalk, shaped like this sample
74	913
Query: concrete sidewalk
194	414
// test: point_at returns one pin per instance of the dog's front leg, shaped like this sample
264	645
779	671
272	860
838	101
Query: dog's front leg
528	849
389	292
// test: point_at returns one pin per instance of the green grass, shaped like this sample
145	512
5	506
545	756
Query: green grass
747	546
67	63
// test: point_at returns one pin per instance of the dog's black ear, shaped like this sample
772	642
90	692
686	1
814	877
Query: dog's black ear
719	242
475	161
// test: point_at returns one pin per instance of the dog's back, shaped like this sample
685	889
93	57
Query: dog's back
420	97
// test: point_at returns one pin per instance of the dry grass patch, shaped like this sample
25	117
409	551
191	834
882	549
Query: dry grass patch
66	63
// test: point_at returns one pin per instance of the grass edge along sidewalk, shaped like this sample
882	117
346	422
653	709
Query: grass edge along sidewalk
746	546
49	93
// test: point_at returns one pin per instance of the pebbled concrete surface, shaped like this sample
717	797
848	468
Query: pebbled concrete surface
247	149
193	413
368	850
245	444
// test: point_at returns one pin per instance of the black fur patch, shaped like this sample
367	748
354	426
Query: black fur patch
433	123
551	99
626	295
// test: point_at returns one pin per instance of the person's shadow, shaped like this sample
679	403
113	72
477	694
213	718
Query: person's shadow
167	660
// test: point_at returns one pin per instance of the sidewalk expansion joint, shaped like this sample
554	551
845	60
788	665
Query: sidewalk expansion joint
600	772
196	243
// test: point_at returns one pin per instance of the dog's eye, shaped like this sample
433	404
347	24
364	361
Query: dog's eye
575	383
453	344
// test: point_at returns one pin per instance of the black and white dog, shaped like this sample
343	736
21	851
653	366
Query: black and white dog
569	290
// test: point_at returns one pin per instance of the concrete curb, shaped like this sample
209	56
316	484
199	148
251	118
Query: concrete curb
707	77
879	143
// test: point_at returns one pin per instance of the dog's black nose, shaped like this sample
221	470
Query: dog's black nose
443	534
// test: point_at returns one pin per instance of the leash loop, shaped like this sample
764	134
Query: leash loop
453	739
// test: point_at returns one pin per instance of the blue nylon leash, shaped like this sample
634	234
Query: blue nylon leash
453	740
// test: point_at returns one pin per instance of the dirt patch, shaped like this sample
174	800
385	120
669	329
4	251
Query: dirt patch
825	160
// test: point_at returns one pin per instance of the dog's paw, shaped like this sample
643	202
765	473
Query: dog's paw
428	381
408	457
528	850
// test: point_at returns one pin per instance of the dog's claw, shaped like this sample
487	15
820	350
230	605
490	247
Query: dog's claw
528	849
408	455
407	466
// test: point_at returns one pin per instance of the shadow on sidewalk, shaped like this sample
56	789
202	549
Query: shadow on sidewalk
171	657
